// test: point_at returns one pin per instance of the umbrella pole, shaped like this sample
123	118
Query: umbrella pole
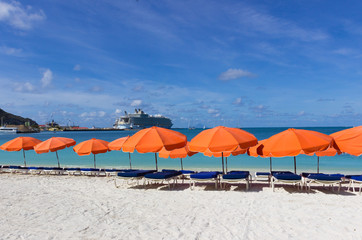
182	167
56	152
271	165
94	156
129	157
156	162
222	161
24	158
295	165
318	165
226	164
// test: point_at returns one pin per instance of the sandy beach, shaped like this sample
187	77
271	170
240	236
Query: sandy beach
68	207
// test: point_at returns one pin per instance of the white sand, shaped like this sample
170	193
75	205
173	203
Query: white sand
66	207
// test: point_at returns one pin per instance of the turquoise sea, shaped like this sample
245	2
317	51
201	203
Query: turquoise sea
343	163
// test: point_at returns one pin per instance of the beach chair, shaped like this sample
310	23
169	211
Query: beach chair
114	172
92	172
262	176
165	175
324	179
285	177
130	176
236	177
4	168
204	177
73	171
13	169
354	179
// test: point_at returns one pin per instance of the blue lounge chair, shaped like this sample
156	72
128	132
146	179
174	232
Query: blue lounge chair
73	171
92	172
132	175
285	177
324	179
114	171
354	179
13	169
204	177
262	176
4	168
236	177
165	175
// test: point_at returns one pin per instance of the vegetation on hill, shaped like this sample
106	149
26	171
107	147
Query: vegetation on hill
11	119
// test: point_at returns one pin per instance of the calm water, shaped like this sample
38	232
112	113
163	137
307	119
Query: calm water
343	163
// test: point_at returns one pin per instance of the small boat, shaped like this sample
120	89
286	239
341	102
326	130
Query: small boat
4	129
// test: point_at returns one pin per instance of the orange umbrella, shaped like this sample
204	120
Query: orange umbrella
349	140
154	139
53	145
93	146
253	151
20	143
222	140
177	153
117	145
293	142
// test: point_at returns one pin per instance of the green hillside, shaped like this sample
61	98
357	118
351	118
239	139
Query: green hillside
11	119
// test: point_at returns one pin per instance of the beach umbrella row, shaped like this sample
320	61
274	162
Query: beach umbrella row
216	142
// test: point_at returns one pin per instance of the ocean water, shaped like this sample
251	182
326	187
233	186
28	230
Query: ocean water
68	158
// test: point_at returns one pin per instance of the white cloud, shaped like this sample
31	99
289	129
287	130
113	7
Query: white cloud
118	111
76	67
238	101
101	114
234	74
10	51
92	114
136	103
96	89
212	111
47	78
24	87
18	16
301	113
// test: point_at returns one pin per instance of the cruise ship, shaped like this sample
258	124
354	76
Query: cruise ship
140	119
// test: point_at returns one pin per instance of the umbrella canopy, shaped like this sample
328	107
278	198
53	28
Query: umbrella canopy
236	152
220	140
154	139
177	153
117	145
349	140
253	151
20	143
53	145
293	142
93	146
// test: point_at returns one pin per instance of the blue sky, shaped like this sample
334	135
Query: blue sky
232	63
